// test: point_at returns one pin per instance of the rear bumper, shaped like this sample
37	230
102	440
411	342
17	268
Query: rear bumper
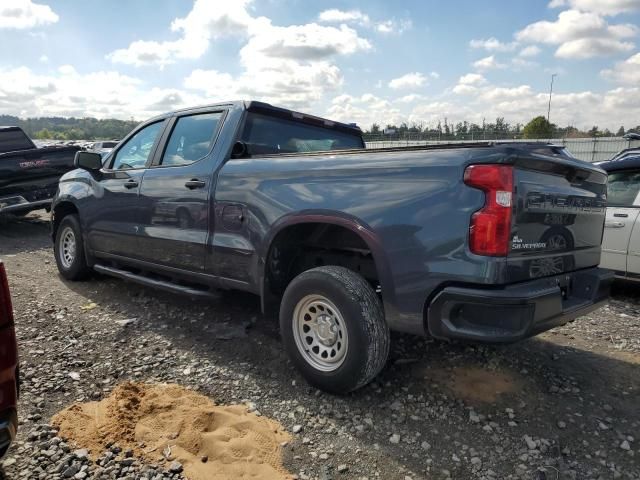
517	311
19	203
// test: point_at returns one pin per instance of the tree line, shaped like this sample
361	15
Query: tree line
538	127
60	128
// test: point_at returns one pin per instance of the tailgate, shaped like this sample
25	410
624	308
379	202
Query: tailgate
18	168
558	217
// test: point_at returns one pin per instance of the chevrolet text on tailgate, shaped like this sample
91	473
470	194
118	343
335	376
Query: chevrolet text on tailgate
481	242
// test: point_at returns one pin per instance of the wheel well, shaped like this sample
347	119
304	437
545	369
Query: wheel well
305	246
62	210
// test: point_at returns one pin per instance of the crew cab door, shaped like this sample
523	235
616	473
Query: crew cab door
623	206
175	192
112	216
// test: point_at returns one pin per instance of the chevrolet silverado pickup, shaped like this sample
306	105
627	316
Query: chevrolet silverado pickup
479	242
29	175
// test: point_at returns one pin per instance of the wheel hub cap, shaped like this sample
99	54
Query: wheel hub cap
320	332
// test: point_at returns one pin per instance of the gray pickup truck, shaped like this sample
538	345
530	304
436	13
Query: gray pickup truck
29	175
477	242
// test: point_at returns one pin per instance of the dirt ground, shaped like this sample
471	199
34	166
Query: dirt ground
564	405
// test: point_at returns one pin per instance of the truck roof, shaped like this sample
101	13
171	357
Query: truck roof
267	108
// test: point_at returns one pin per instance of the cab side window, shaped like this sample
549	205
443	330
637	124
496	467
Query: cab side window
191	139
136	151
623	189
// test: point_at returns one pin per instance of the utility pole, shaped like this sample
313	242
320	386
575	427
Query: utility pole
550	93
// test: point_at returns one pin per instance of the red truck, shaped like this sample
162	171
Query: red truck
8	367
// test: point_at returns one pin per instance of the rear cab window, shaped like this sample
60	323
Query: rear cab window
13	140
623	189
265	134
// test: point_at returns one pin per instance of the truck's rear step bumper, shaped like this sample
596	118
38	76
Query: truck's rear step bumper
19	203
517	311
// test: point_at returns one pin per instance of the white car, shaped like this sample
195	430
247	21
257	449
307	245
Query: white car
621	241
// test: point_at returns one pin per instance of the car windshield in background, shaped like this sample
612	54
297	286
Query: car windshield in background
623	189
266	135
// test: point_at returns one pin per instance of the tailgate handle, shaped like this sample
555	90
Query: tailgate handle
613	225
621	215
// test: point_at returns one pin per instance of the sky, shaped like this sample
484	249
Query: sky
376	61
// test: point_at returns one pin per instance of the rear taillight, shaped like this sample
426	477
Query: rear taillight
6	310
490	227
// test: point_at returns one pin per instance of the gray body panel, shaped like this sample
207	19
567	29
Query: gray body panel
410	206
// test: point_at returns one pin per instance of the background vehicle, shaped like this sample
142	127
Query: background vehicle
103	147
621	241
29	175
8	368
449	241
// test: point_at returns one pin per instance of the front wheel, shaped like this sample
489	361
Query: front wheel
69	249
333	328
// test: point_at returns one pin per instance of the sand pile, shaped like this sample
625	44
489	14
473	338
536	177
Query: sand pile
154	419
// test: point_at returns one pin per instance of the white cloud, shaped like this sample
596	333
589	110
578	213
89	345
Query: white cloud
357	17
412	98
364	110
103	94
341	16
530	51
468	84
410	80
472	79
603	7
493	45
23	14
580	35
207	20
290	65
627	72
434	75
487	63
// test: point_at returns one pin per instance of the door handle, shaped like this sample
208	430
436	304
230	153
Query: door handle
621	215
131	184
613	225
195	183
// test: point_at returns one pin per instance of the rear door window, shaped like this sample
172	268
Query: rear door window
623	189
271	135
191	139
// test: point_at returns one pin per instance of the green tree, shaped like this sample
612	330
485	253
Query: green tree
539	127
620	132
43	134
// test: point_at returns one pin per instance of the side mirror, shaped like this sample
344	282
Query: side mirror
88	160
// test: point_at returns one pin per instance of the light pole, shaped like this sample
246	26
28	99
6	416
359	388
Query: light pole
550	93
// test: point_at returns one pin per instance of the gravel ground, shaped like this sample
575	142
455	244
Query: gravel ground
565	405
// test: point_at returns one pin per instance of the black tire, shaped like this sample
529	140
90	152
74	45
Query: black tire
360	313
71	267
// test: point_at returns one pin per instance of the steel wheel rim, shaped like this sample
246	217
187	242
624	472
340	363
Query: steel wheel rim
320	333
67	247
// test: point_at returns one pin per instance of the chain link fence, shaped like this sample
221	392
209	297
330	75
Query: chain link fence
594	149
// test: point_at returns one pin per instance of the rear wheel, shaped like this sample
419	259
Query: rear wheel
333	328
69	249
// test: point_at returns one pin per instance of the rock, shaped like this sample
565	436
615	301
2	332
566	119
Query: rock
474	417
342	468
531	444
625	445
296	428
562	425
395	439
175	467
